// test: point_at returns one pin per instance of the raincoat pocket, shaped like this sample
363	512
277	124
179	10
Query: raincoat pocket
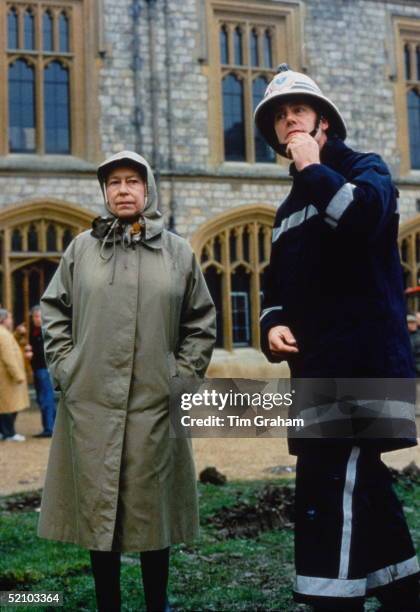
66	369
172	365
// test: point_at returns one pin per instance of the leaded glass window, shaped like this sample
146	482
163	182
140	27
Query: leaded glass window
64	33
47	31
56	108
233	257
21	107
248	47
12	29
29	31
233	118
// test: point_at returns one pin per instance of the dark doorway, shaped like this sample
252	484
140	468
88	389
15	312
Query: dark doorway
28	285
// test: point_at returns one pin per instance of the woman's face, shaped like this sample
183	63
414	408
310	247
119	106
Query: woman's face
126	193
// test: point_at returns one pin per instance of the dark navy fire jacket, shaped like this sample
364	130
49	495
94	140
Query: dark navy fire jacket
335	277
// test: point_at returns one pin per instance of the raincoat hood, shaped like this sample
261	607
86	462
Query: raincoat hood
150	218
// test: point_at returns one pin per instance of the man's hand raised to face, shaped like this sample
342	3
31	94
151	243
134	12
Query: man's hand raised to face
303	149
281	341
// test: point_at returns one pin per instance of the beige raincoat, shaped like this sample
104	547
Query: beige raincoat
13	386
116	333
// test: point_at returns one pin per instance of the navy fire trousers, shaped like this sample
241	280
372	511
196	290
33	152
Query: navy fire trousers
351	537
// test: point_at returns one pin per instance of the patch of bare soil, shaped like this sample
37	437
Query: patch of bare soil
273	509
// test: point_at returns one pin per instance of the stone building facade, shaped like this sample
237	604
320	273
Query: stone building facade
151	75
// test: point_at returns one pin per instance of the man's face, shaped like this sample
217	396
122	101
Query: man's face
296	117
412	326
125	191
36	318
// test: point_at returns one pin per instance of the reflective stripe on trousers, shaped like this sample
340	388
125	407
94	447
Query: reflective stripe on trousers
350	535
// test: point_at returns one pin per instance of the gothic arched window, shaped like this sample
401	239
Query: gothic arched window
233	251
249	45
46	61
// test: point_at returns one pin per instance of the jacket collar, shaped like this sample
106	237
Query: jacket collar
103	230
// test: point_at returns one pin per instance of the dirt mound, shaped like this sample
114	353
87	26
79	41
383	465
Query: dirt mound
273	509
210	475
21	502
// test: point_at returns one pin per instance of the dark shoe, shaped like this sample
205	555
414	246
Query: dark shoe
43	434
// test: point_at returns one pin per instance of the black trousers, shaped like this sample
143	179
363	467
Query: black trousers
106	568
7	424
351	537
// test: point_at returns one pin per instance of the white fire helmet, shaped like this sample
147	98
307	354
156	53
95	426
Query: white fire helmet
286	85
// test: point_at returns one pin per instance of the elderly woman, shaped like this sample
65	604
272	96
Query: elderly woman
127	311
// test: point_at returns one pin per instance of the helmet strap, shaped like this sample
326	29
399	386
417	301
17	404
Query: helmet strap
319	117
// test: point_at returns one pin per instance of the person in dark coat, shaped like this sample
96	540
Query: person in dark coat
335	247
42	381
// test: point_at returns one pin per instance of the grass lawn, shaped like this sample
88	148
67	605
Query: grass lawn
217	573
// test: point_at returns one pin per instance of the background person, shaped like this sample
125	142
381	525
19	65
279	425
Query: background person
14	395
126	314
335	239
41	377
414	333
22	338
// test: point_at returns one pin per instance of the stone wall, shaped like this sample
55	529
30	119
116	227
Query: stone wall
347	49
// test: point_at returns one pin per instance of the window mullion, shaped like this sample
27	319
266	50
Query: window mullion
24	233
255	285
38	30
55	16
226	291
249	127
21	32
245	43
42	246
413	61
7	273
260	32
230	28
